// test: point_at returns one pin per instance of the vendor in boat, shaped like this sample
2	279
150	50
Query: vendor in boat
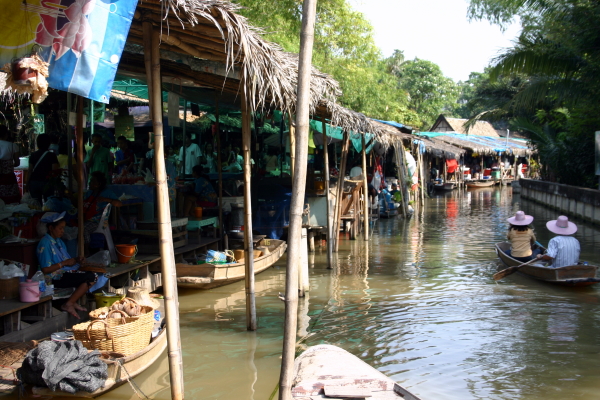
521	237
56	262
202	193
563	250
94	202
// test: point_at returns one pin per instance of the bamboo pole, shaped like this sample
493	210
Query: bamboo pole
79	138
147	32
327	197
296	207
225	242
248	244
292	146
402	175
366	212
167	254
338	202
70	145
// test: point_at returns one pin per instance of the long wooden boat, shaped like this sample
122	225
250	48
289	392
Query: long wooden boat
119	369
480	184
325	371
571	275
447	186
208	276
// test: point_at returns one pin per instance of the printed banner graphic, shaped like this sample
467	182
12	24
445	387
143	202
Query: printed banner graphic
82	39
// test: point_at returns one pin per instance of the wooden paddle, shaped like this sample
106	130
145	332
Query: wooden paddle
510	270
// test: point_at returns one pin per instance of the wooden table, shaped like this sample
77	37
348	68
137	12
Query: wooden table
13	311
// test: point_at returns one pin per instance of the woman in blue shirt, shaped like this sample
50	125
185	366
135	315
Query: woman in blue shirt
56	262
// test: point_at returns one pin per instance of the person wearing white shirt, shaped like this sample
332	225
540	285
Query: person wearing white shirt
563	250
193	155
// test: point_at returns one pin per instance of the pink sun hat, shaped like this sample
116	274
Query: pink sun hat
520	219
561	226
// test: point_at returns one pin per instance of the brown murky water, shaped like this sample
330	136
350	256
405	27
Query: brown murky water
419	304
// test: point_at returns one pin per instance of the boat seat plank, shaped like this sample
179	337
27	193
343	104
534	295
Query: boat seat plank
10	306
349	391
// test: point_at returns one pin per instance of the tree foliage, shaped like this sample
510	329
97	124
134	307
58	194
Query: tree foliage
429	91
344	48
557	60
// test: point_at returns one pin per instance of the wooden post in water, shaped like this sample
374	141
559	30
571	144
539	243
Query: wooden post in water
309	9
292	134
79	138
224	242
340	189
327	197
167	254
248	243
402	176
366	213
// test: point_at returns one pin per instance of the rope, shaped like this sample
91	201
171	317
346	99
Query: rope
132	383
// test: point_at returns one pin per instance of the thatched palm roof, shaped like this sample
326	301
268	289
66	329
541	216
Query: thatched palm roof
212	30
480	128
198	30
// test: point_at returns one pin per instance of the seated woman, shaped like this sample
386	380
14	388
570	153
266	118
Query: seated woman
521	237
94	202
203	193
56	262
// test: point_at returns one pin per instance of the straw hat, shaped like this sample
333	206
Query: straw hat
520	219
561	226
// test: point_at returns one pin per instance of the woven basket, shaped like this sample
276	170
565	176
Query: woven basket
9	288
126	338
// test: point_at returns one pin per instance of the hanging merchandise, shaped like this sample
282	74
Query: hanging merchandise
173	111
28	75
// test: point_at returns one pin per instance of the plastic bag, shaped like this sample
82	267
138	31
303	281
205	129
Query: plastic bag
219	256
30	201
100	258
10	271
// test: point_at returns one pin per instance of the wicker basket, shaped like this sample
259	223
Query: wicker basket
9	288
126	338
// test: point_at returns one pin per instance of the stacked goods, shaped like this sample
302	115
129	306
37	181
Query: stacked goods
125	328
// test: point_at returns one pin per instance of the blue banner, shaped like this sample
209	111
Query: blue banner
83	41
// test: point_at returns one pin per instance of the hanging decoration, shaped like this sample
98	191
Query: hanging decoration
28	75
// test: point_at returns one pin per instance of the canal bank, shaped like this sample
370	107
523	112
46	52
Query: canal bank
419	304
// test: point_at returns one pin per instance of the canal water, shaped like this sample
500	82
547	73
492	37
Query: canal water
418	303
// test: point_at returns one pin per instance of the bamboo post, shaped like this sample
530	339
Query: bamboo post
296	207
225	242
402	175
328	205
366	212
292	146
340	188
147	32
70	144
248	244
167	254
79	138
421	176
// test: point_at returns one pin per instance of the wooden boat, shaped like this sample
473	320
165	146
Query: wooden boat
325	371
119	370
480	184
447	186
208	276
571	275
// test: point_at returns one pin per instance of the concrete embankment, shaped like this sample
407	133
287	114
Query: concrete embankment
570	200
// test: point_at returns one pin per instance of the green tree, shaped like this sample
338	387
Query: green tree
344	48
429	92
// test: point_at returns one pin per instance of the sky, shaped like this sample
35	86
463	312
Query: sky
438	31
